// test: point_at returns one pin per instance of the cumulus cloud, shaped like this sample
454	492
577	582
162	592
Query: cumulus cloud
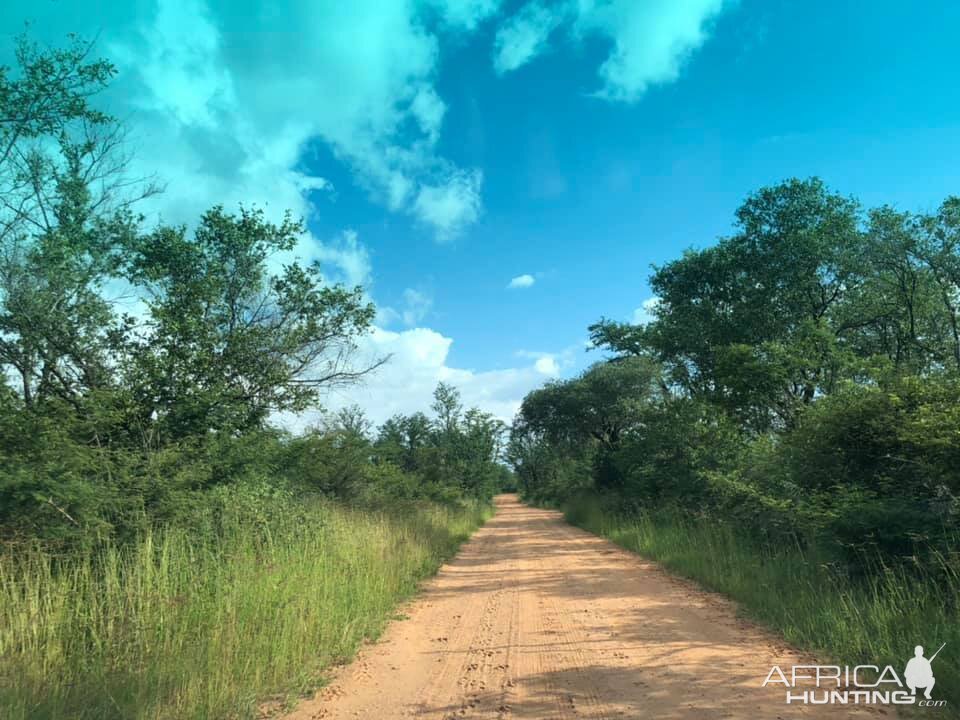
551	364
524	36
418	362
349	257
521	281
646	312
649	40
226	96
451	205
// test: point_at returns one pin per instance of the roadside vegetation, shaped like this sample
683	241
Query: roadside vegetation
165	550
786	426
173	627
798	592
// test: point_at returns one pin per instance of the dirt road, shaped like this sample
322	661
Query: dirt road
537	619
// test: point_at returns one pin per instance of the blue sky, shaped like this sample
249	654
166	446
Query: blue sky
441	150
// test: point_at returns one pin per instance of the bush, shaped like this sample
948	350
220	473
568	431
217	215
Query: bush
669	459
881	466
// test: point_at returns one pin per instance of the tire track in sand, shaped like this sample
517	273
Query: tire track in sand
536	619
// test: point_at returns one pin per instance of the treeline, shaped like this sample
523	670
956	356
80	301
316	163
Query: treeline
455	455
798	381
141	366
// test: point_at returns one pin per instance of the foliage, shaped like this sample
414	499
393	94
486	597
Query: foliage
458	451
112	424
800	385
227	342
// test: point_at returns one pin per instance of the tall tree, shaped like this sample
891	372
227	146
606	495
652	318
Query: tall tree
229	340
600	406
939	247
739	306
447	406
64	193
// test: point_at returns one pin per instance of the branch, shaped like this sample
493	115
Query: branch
61	511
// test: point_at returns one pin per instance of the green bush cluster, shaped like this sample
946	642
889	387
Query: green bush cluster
71	494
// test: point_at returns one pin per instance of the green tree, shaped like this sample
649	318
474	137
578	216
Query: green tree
582	422
63	187
402	439
599	406
447	406
229	341
57	331
776	282
895	313
939	248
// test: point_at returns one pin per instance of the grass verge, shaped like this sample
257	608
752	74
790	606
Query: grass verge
875	620
176	627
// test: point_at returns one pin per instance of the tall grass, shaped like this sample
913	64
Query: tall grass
876	619
176	627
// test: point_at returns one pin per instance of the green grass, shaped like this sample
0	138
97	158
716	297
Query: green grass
875	620
173	627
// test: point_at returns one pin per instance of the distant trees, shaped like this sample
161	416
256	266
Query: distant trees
603	404
585	420
459	451
452	456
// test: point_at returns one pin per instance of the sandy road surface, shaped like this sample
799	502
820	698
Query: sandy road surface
537	619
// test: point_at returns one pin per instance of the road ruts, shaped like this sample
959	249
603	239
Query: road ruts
537	619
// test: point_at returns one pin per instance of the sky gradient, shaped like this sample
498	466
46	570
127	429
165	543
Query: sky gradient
499	175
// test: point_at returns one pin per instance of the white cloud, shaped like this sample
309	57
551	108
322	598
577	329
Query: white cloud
524	36
177	65
645	313
547	365
418	363
349	256
650	39
521	281
451	205
227	95
552	364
